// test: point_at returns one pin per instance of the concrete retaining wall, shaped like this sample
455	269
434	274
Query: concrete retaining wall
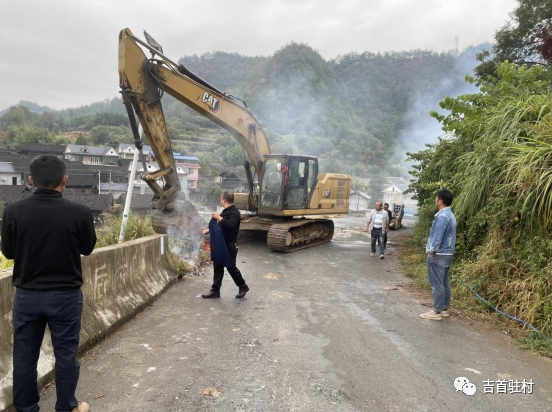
118	281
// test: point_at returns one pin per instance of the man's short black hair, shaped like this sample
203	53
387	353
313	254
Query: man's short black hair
386	204
47	171
228	197
446	196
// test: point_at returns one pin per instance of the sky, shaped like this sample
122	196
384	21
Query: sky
63	53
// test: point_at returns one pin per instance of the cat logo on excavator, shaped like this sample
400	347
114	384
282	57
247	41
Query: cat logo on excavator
212	102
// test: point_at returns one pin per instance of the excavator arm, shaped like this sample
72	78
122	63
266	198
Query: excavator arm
143	81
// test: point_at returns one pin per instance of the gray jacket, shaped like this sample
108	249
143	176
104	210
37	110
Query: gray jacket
372	216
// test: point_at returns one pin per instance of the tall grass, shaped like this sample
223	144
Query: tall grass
497	159
136	227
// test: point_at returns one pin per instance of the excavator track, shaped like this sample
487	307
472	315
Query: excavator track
298	234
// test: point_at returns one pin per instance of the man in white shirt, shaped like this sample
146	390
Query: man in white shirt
378	227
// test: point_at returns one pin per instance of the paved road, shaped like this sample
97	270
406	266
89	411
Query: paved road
318	332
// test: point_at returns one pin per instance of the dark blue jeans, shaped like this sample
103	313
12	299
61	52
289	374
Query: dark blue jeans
32	311
377	235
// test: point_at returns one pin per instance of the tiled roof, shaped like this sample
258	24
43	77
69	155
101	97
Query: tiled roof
118	187
362	194
9	194
123	146
82	180
137	202
401	186
42	148
96	202
90	150
189	158
6	167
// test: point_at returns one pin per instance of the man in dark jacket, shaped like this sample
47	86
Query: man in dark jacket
229	221
46	236
390	214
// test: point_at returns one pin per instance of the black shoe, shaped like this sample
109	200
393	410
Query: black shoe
242	292
211	295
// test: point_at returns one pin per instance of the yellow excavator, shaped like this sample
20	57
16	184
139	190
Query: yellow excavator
291	191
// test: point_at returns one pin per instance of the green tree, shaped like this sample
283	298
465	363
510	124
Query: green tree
111	135
526	39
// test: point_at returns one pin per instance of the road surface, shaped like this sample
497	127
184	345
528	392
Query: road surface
318	332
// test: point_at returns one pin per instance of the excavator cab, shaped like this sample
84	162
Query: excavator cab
287	183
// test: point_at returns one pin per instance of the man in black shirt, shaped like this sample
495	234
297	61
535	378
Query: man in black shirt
229	221
386	208
45	235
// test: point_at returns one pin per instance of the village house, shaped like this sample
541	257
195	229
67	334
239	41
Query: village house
234	179
359	201
394	194
142	187
126	151
9	176
91	155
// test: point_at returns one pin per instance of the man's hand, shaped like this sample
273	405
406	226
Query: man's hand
432	253
206	232
217	216
387	231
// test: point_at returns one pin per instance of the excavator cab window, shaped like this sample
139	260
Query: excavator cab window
271	189
297	188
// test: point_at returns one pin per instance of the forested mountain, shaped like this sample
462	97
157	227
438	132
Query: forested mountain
351	111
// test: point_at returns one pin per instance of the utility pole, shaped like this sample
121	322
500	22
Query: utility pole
110	181
99	182
130	189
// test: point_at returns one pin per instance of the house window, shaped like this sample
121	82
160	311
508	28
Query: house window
95	160
78	158
191	172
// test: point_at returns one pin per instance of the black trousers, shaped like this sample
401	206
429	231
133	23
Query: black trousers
234	271
32	311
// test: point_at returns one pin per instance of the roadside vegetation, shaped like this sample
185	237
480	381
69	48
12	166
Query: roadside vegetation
138	227
496	157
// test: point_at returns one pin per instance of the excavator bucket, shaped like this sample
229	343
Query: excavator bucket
183	222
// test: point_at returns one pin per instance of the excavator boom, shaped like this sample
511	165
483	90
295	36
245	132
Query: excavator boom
290	186
141	77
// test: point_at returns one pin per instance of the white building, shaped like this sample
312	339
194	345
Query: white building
394	194
126	151
359	201
91	155
142	187
8	175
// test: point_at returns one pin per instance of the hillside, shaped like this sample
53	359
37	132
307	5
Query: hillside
350	111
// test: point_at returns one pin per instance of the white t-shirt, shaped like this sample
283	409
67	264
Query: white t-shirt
378	220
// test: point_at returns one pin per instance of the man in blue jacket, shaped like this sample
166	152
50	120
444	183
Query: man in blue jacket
440	249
